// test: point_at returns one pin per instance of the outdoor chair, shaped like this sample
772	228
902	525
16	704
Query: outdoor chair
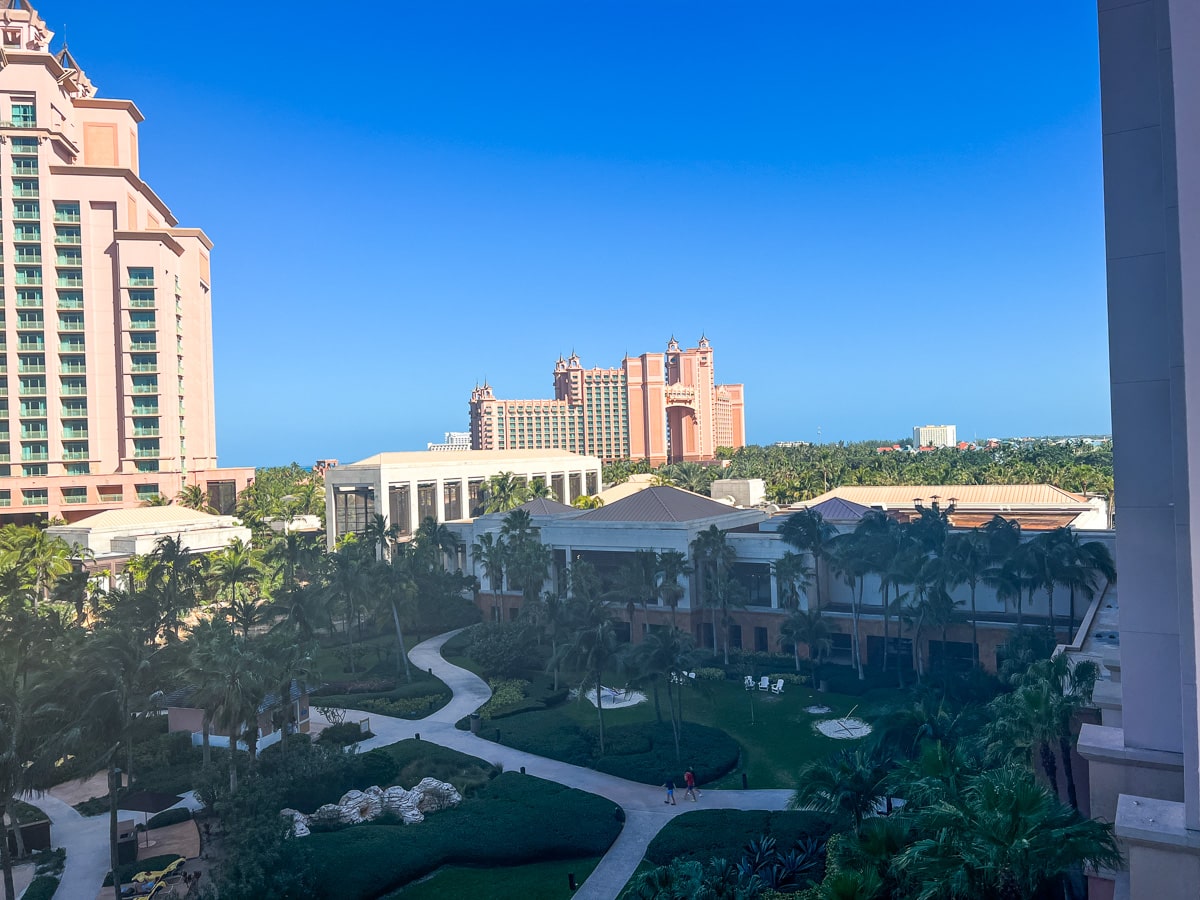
764	683
777	688
749	681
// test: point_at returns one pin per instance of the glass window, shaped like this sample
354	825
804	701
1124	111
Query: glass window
24	114
141	277
80	469
70	299
141	299
25	146
29	297
35	496
66	212
146	491
27	209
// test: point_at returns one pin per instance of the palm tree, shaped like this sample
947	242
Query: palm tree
539	490
808	531
712	554
726	594
635	585
847	785
670	566
794	577
1006	836
846	559
192	496
969	559
808	626
398	590
239	693
1082	564
586	501
350	583
490	552
503	492
235	565
380	535
594	648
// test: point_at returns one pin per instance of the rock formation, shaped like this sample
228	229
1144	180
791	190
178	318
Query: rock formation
355	807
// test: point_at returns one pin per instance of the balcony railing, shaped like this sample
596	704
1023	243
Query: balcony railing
141	303
27	257
144	346
70	303
145	410
68	216
144	367
31	370
70	325
111	498
146	454
34	434
141	282
70	260
145	389
34	501
70	347
30	193
29	279
35	457
74	390
72	369
70	279
75	454
75	434
69	237
146	432
75	498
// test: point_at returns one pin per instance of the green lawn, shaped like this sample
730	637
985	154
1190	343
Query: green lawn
774	731
537	881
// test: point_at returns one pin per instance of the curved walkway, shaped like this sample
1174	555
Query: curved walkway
86	840
645	812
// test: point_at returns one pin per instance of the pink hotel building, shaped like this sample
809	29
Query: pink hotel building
106	369
658	407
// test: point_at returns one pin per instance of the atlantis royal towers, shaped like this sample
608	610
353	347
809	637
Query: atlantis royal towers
658	407
106	379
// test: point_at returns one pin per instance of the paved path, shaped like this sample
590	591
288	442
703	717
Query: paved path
645	811
86	840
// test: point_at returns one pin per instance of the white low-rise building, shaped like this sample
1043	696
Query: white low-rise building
445	485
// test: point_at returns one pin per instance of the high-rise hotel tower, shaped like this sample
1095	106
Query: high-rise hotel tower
106	369
658	407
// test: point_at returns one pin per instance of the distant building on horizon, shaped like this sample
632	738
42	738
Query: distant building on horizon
936	436
106	354
661	407
453	440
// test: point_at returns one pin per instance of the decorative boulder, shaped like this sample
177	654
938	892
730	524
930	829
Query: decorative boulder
329	814
435	795
360	806
299	822
403	804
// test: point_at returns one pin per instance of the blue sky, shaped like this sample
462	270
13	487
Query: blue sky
881	214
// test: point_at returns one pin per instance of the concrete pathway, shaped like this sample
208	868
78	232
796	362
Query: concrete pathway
645	811
86	840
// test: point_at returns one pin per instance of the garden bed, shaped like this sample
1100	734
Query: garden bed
722	833
504	825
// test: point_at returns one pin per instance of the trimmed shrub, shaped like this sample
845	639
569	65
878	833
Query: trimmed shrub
710	673
343	735
722	833
420	759
506	693
504	826
404	708
789	678
169	817
504	648
41	888
709	751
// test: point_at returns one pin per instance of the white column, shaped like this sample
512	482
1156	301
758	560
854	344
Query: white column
413	506
440	500
774	590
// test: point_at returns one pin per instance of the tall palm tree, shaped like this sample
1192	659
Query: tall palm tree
1083	564
243	686
490	552
969	559
794	577
712	554
848	562
594	648
808	627
635	585
350	584
808	531
398	590
670	566
380	535
236	565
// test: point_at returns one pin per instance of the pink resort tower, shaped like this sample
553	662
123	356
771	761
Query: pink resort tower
106	364
661	407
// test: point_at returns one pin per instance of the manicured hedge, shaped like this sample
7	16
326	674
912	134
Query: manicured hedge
341	735
722	833
41	888
420	759
709	751
169	817
363	770
516	819
642	752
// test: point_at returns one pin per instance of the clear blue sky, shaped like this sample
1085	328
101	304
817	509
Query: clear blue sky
882	214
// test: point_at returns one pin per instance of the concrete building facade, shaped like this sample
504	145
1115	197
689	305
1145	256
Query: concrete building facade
658	407
106	368
936	436
1144	763
444	485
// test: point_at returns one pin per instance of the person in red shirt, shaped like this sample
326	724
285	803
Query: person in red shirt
689	779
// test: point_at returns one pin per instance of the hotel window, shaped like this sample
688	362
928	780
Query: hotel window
74	495
33	409
27	209
30	275
74	387
141	277
144	362
71	321
70	299
25	187
29	298
25	165
79	469
75	450
24	114
146	491
66	212
30	232
67	234
146	465
142	321
141	299
145	384
35	496
5	498
74	409
25	146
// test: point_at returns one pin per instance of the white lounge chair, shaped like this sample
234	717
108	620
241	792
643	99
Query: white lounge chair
749	682
777	688
764	683
691	675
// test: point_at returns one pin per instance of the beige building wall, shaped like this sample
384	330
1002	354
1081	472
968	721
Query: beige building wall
107	329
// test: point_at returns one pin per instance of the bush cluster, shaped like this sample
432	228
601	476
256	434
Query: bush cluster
169	817
505	825
706	833
504	649
404	707
343	735
789	678
42	888
506	693
710	673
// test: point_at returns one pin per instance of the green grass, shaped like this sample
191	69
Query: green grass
536	881
515	819
706	833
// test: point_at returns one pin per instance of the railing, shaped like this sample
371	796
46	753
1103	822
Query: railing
76	435
28	279
145	389
27	193
26	258
142	325
67	238
144	367
141	283
5	501
71	347
74	390
68	217
69	260
75	498
37	346
31	370
146	432
35	457
34	501
111	498
26	215
145	410
69	325
70	303
141	303
146	454
69	280
143	347
72	369
75	454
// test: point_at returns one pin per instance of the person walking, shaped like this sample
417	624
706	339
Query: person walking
689	779
669	784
